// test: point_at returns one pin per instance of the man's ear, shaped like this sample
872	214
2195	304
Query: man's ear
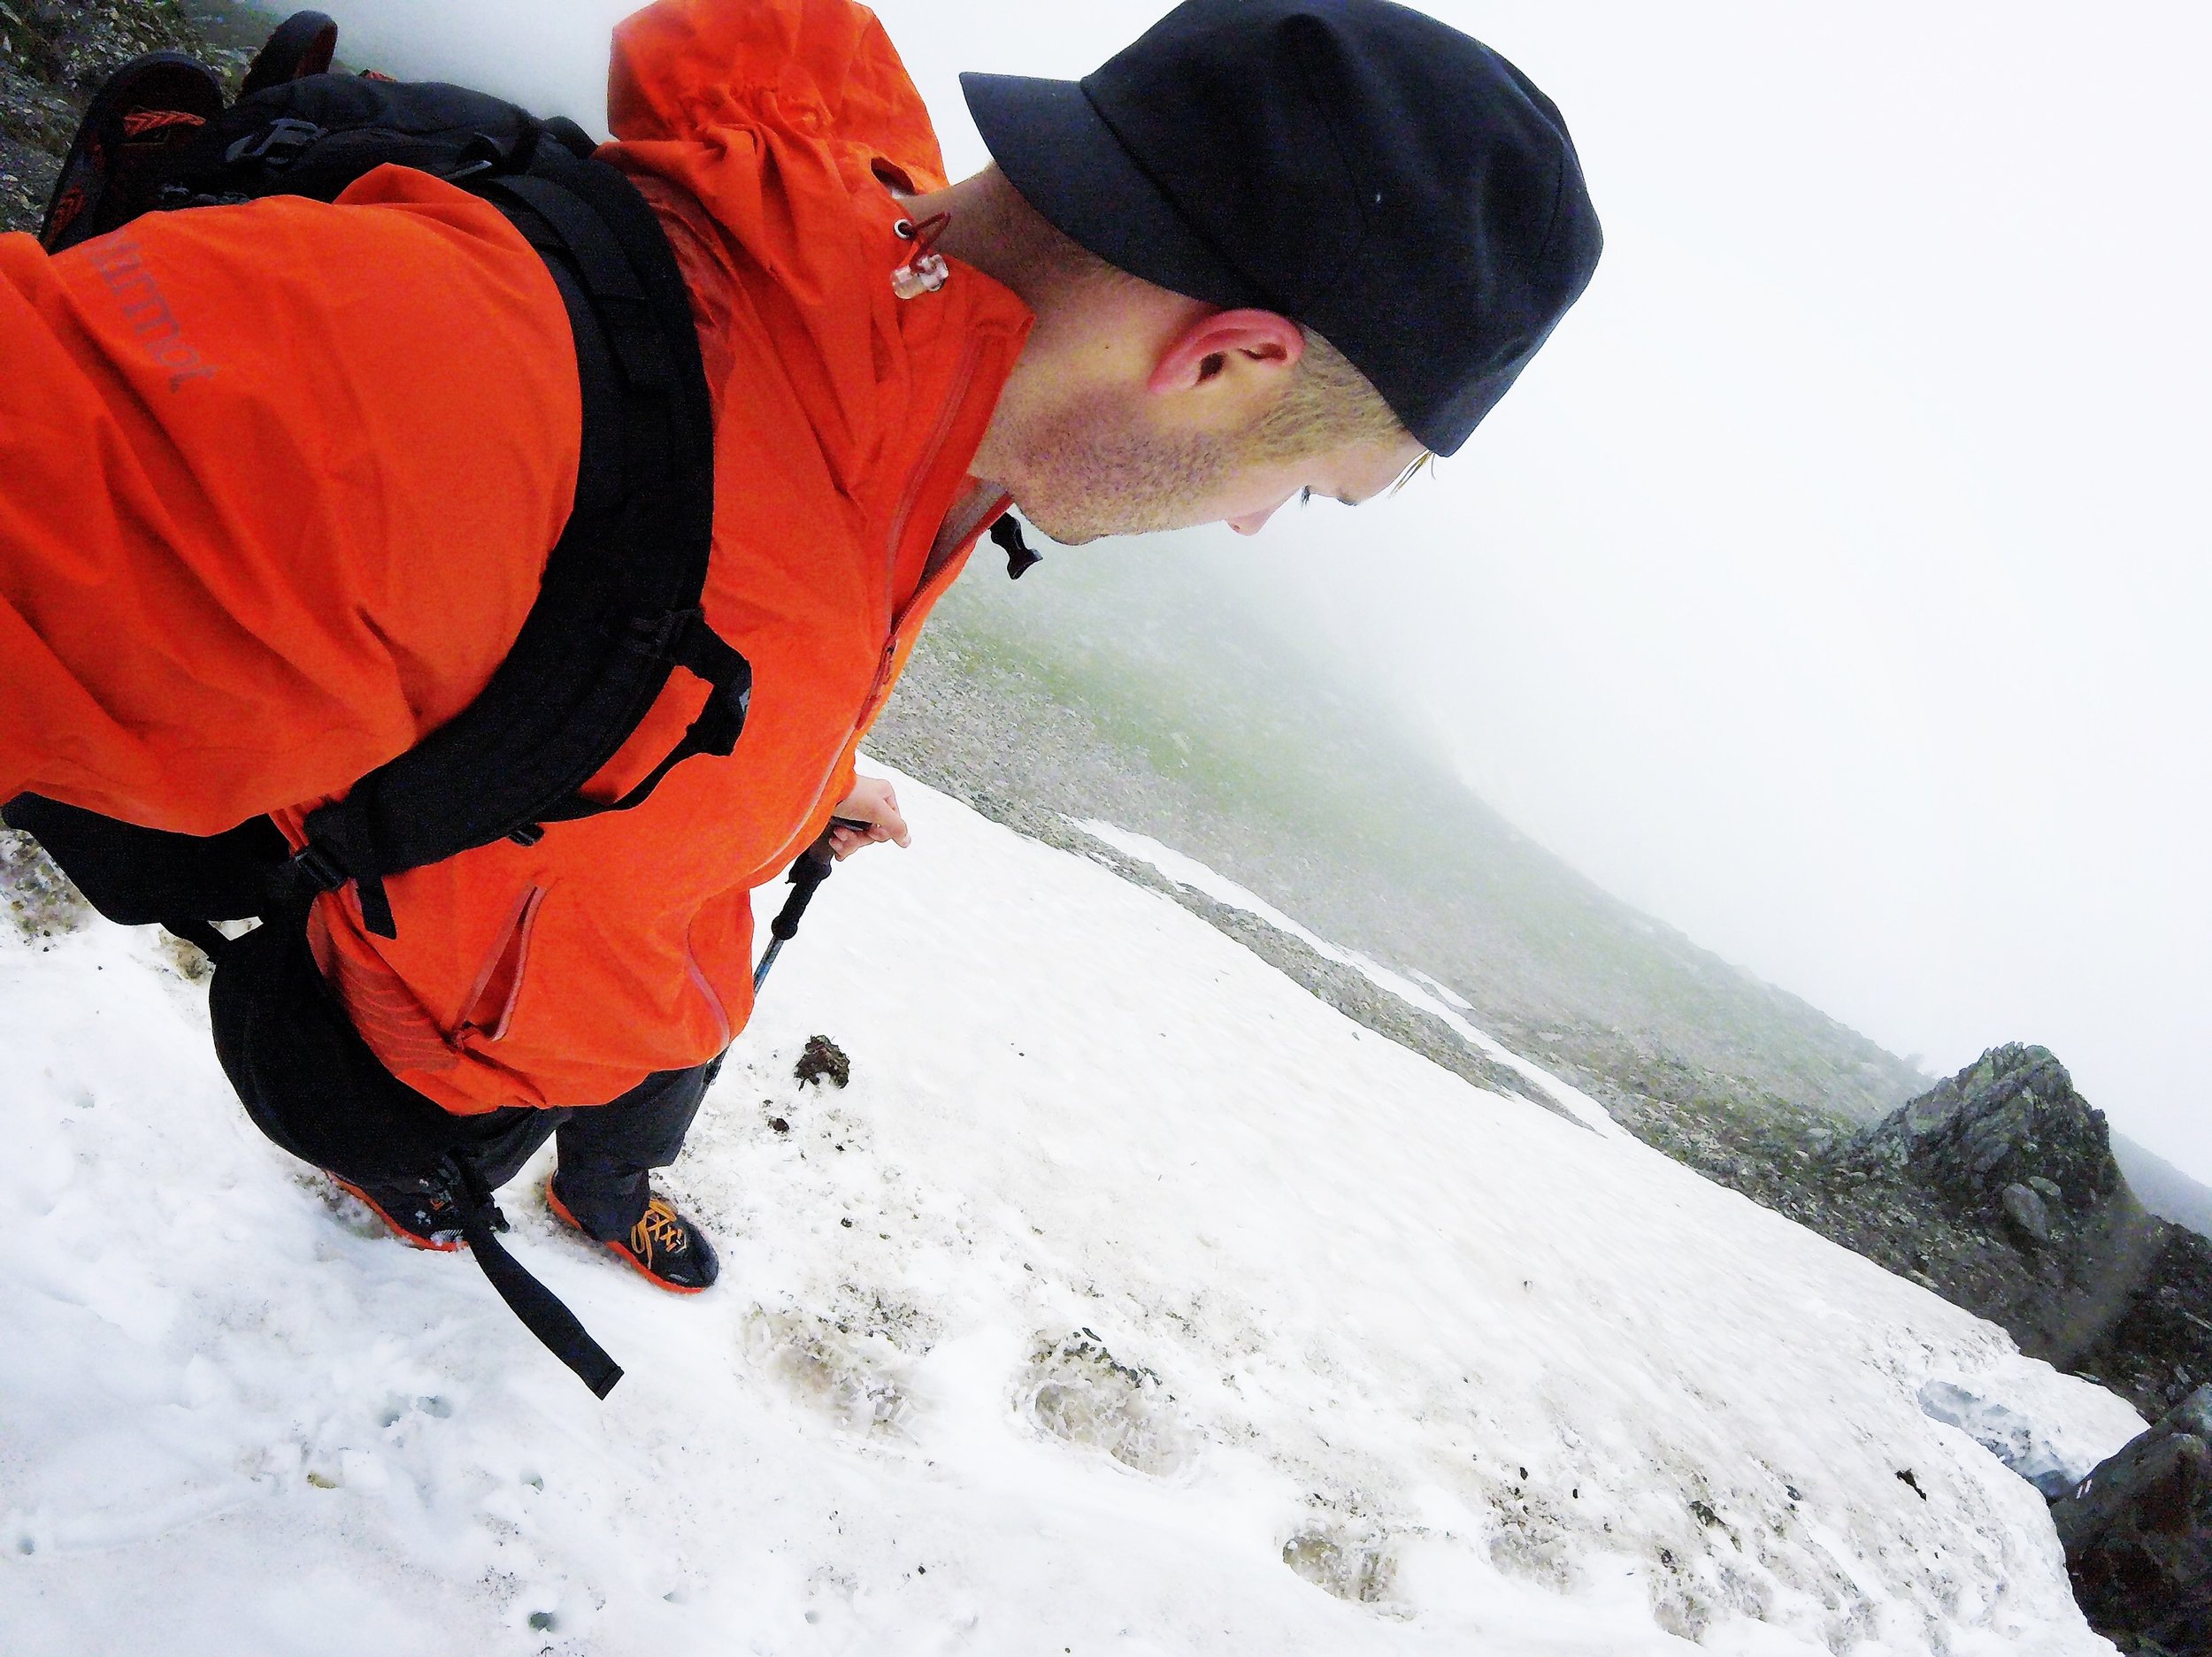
1204	349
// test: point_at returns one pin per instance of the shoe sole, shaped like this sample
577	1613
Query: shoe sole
561	1213
413	1240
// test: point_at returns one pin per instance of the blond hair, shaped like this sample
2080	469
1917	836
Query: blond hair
1327	404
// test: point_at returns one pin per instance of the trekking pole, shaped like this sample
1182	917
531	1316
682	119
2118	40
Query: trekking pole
809	869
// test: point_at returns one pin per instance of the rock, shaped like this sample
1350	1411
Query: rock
2026	1210
2164	1325
34	893
2010	1118
1932	1110
1998	1189
822	1061
2138	1535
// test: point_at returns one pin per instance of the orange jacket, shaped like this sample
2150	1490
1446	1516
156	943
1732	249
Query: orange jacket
235	593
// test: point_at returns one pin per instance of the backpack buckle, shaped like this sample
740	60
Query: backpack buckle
323	870
278	145
482	154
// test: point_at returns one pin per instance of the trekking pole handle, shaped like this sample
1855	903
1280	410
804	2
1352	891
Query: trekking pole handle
809	869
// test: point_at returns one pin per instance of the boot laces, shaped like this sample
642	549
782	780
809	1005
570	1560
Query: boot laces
661	1231
139	123
440	1209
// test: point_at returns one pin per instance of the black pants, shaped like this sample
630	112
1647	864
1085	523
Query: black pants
306	1079
606	1151
313	1086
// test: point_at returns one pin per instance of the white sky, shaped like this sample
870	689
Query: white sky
1833	585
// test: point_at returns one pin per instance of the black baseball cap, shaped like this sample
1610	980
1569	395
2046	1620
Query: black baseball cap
1355	165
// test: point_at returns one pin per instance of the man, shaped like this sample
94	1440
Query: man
278	482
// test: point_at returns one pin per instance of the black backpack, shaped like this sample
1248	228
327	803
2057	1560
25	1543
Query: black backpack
619	608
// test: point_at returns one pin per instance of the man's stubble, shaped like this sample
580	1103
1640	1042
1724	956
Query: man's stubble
1088	471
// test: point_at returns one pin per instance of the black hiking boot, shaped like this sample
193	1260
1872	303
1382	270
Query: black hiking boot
664	1247
418	1212
301	46
113	173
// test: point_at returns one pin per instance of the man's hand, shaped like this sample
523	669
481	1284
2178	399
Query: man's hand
872	801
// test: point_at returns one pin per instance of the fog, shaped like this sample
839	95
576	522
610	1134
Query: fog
1834	585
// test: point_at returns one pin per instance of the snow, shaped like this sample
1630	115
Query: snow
2050	1455
1168	1296
1431	997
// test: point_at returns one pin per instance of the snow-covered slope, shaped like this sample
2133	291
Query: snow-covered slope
1126	1294
1428	996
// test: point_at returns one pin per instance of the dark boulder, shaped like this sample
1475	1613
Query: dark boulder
2031	1216
2138	1535
2010	1118
1998	1190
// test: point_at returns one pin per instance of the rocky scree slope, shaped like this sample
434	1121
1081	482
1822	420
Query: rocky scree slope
53	55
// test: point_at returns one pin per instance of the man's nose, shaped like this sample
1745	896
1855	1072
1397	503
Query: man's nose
1252	523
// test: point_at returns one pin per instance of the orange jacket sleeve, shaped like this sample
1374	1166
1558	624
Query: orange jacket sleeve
277	483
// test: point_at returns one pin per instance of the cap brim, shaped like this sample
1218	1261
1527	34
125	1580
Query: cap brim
1054	147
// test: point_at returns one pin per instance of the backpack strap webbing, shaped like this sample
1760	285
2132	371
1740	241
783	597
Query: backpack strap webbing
620	606
540	1310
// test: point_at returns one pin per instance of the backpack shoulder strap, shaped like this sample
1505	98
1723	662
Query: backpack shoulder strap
620	607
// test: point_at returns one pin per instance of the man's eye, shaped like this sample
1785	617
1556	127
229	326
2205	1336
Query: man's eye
1305	495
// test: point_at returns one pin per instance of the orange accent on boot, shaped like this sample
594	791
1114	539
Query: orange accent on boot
659	1222
138	123
405	1236
68	208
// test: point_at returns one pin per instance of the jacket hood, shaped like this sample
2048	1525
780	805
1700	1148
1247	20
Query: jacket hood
792	122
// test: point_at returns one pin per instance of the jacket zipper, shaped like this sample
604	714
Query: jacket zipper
705	986
963	376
